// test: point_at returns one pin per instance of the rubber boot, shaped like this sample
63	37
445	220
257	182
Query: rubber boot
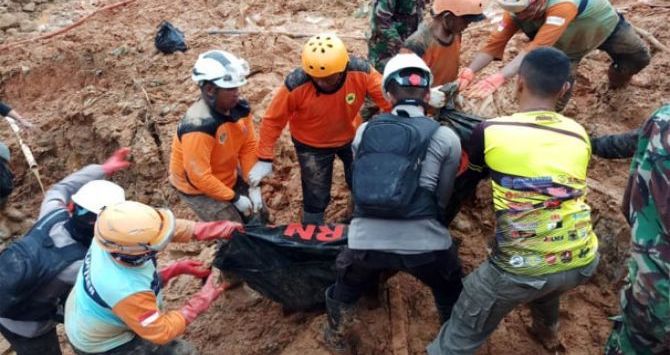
312	218
340	317
616	78
547	335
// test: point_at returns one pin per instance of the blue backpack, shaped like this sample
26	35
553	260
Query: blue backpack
387	167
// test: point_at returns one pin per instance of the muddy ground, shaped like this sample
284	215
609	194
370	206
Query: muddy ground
103	85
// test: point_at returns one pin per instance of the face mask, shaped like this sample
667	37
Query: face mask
134	260
81	225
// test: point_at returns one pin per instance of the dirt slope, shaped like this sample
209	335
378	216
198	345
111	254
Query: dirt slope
103	85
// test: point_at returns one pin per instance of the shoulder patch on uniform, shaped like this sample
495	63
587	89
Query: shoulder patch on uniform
296	78
555	21
358	64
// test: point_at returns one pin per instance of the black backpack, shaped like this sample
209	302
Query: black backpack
387	167
6	180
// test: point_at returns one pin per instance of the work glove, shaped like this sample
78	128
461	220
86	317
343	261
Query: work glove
118	161
465	77
201	301
437	97
183	267
216	230
244	205
256	198
486	86
260	170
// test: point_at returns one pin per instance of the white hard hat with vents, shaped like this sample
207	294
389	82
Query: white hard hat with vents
406	61
222	68
97	194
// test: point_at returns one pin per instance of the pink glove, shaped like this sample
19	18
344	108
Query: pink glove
183	267
201	301
465	77
216	230
118	161
487	86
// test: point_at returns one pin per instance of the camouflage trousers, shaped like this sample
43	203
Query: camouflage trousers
644	326
629	56
209	209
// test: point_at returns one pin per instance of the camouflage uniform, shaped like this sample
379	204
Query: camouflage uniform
644	326
391	22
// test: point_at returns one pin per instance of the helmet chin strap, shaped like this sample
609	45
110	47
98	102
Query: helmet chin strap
210	100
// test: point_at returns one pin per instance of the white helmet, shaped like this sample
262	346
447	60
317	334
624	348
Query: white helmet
97	194
405	61
223	69
515	6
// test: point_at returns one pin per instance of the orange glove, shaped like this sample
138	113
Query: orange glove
183	267
486	86
118	161
201	301
465	77
216	230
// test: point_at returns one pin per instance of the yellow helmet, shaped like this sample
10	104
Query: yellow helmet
324	55
133	228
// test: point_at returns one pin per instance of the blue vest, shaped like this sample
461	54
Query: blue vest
29	264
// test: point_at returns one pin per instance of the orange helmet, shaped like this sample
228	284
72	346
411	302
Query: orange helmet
324	55
458	7
133	228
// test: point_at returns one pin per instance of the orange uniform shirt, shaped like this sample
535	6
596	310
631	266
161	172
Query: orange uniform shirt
442	60
140	311
317	119
559	18
209	148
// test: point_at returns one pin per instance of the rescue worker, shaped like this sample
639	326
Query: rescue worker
38	270
215	145
396	224
544	243
438	41
320	101
7	111
115	306
391	22
6	175
644	324
574	26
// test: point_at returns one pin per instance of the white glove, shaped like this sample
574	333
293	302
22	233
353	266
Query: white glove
260	170
437	97
256	198
243	204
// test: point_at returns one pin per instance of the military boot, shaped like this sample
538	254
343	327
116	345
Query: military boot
547	335
340	317
617	79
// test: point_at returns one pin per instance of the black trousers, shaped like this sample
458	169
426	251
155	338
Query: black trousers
316	173
45	344
357	270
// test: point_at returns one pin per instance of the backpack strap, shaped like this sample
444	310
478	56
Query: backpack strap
88	283
582	6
